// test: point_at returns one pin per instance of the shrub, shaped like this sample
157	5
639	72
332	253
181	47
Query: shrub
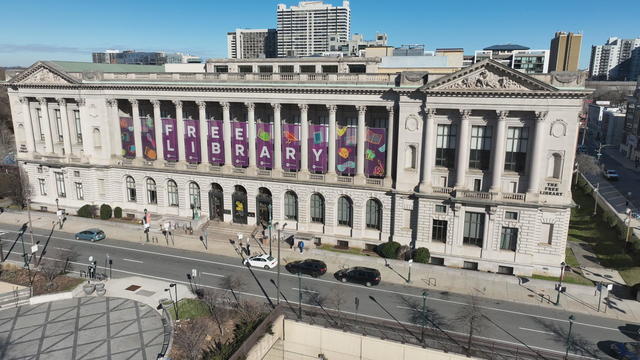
403	253
105	212
388	250
117	212
87	211
421	255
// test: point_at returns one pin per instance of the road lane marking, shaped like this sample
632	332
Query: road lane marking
135	261
538	331
306	290
210	274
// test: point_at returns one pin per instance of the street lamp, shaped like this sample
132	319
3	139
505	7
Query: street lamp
175	287
559	286
278	263
566	354
595	198
424	314
173	302
270	225
409	275
57	206
628	223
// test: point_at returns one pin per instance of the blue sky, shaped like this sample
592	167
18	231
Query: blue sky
71	30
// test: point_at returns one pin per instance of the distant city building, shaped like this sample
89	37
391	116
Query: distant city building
143	58
565	52
606	124
632	126
305	29
355	46
252	43
617	59
409	50
516	57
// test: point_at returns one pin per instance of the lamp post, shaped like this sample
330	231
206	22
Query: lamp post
628	223
57	206
173	302
424	314
566	354
299	295
409	275
278	264
175	287
270	225
595	198
559	286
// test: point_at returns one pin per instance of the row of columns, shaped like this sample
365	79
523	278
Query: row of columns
462	151
46	129
277	126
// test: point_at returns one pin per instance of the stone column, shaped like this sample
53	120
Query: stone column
537	153
277	138
180	130
304	137
463	150
114	125
137	128
87	138
64	119
428	147
389	147
497	168
362	133
251	133
157	128
28	125
46	125
226	125
331	156
204	132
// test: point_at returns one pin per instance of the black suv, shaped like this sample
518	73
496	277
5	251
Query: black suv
311	267
358	274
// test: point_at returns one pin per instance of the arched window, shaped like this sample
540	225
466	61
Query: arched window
291	206
374	214
97	139
345	211
194	196
152	194
317	208
557	166
410	157
172	192
131	189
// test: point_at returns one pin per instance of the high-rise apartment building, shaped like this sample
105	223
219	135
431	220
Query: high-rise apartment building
565	52
252	44
614	60
143	57
306	29
517	57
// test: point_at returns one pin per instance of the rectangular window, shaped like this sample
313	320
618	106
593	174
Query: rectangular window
509	238
79	191
245	68
43	188
505	270
473	229
446	146
439	231
40	124
441	209
547	233
76	173
477	184
511	215
470	265
221	68
101	189
516	152
58	116
480	147
62	192
437	261
76	121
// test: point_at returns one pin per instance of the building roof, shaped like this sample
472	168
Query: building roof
450	50
78	66
506	47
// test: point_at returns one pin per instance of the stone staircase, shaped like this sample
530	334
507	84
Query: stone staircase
14	298
227	230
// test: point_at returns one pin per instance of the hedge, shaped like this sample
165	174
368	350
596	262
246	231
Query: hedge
117	212
388	250
87	211
105	212
421	255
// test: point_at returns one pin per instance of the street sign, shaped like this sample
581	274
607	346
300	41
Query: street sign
194	272
34	248
609	287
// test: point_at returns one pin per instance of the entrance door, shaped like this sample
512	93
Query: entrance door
239	199
264	208
216	205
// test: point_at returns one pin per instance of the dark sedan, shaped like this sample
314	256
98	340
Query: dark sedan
626	351
310	267
359	274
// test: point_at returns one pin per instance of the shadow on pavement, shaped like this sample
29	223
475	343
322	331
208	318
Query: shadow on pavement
605	348
579	345
631	330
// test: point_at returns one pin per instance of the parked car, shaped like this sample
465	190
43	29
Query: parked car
263	261
310	267
626	351
611	174
358	274
91	234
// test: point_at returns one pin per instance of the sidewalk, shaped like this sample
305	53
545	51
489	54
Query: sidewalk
619	157
577	299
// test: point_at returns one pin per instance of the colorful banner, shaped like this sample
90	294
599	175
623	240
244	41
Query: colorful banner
375	152
170	139
239	144
264	146
126	134
216	142
291	147
192	141
346	144
318	142
148	138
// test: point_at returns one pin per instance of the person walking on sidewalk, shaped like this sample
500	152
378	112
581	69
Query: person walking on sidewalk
301	246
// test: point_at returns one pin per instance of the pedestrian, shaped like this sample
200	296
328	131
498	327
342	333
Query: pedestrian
248	251
301	246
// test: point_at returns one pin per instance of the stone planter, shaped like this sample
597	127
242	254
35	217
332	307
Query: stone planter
88	288
100	290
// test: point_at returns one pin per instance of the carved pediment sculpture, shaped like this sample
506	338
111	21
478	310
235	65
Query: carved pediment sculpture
485	79
44	73
44	76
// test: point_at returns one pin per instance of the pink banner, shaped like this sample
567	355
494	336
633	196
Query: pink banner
170	139
291	147
192	141
216	142
239	144
375	152
318	147
264	146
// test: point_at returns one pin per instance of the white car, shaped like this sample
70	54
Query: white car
263	261
611	175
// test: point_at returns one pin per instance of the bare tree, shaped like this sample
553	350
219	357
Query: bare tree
215	304
249	311
55	264
336	298
587	165
472	316
189	338
233	283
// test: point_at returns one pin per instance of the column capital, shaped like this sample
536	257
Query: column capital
111	102
465	114
390	109
61	101
502	114
431	112
134	102
250	106
362	109
225	105
177	103
80	101
332	108
303	107
42	100
23	100
276	106
201	104
541	115
155	103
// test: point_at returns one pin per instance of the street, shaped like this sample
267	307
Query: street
538	327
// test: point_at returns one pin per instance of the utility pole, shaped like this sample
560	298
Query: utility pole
29	215
595	198
278	266
559	285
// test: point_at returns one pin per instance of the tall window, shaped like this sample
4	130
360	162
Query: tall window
291	206
58	116
317	208
374	214
345	210
410	157
172	192
439	230
131	189
152	193
509	238
76	121
43	187
79	191
480	147
445	146
473	228
194	195
517	141
40	124
62	191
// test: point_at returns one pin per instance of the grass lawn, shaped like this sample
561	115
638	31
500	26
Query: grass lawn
573	277
355	251
189	309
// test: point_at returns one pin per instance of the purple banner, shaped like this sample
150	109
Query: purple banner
239	144
346	142
126	134
318	148
170	139
264	146
216	142
291	147
148	138
192	141
375	152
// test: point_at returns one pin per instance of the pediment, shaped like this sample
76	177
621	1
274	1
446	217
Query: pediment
43	74
488	75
